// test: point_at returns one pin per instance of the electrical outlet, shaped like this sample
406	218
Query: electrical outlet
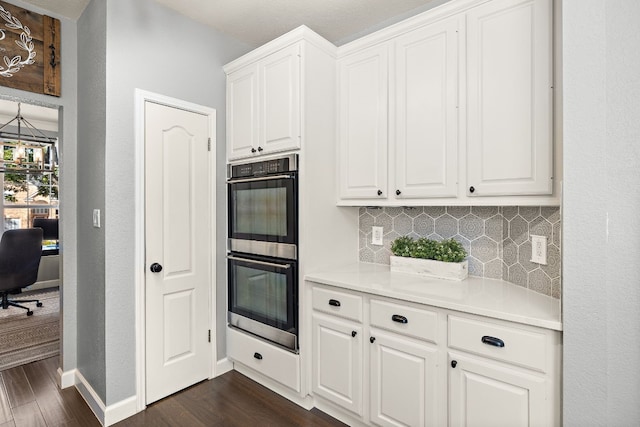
539	249
376	236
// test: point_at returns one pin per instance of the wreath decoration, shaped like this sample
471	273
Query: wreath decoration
15	64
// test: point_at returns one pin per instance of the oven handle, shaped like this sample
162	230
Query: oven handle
262	178
253	261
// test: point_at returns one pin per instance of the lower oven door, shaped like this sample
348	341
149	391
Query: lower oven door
263	298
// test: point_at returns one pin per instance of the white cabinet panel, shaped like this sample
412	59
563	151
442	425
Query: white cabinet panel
362	123
404	387
280	100
264	105
242	112
484	394
337	361
426	102
509	77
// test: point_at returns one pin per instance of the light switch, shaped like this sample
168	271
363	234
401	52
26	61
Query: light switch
96	218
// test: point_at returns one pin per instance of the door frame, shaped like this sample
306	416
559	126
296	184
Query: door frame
141	97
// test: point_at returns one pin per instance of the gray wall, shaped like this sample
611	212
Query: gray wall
601	250
92	48
68	144
156	49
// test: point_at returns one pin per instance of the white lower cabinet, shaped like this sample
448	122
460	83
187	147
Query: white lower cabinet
403	381
394	363
337	361
485	393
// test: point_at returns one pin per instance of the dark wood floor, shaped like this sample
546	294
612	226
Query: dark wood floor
29	397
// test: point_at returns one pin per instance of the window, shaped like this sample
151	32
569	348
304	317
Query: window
30	184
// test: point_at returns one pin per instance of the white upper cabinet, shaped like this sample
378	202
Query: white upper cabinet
469	109
280	100
509	90
362	124
263	105
242	111
426	112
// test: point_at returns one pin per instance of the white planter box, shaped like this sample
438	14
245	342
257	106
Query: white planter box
429	267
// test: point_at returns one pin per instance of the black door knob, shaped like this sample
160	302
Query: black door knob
253	150
454	363
471	189
398	192
155	268
379	192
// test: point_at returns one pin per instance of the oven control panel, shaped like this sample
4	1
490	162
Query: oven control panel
264	167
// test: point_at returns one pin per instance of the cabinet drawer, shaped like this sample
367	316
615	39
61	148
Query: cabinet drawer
414	322
508	344
267	359
337	303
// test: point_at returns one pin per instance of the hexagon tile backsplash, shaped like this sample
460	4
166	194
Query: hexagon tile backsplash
497	239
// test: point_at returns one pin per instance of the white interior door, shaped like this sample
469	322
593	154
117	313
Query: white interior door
178	248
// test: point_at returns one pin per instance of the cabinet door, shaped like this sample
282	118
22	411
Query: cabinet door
280	100
362	124
337	361
242	112
509	129
426	125
485	393
404	384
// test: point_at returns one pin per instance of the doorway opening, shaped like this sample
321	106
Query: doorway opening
29	172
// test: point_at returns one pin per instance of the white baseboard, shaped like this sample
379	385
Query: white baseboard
66	379
121	410
87	392
107	415
222	367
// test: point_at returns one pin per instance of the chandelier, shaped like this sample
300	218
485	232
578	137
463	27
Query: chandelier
27	150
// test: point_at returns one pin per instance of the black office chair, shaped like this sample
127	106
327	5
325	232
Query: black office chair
20	252
49	232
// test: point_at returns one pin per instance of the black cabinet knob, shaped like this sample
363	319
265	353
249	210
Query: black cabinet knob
471	189
372	339
398	192
260	149
354	333
155	268
257	356
379	192
253	150
454	363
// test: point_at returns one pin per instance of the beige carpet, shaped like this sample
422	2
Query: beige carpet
25	339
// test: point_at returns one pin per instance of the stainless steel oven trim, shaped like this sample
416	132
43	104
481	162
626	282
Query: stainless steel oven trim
293	163
258	247
283	338
253	261
260	178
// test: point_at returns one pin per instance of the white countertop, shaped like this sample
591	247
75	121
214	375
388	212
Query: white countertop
476	295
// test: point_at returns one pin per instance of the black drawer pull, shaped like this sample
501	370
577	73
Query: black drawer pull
334	302
497	342
399	319
257	355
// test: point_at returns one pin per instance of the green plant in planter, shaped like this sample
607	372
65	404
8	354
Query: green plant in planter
446	250
449	251
423	248
402	246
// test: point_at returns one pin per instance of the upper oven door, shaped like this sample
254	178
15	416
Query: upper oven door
263	214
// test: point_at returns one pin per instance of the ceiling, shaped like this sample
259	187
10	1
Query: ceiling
255	22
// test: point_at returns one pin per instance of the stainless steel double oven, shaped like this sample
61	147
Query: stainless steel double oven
263	249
